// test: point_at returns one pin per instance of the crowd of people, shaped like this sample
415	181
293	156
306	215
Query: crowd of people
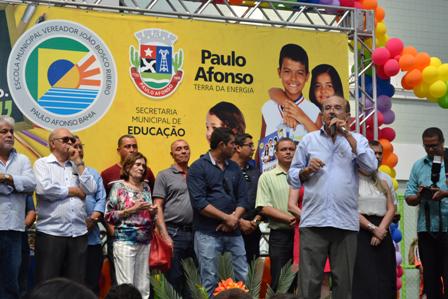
328	185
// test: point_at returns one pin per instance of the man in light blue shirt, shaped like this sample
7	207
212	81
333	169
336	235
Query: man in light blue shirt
432	223
63	182
16	183
326	163
95	207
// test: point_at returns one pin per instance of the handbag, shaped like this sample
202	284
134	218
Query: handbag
160	253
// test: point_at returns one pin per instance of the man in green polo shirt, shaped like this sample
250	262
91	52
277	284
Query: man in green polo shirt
272	197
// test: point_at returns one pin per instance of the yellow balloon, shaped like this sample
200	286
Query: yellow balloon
430	74
386	169
437	89
382	40
380	29
432	99
443	72
421	90
435	61
395	184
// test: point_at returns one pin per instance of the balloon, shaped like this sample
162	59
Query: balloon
380	56
399	271
396	236
347	3
432	99
387	133
380	72
390	160
413	78
394	181
380	29
443	72
422	60
443	101
380	117
405	84
381	40
326	2
379	14
369	4
437	89
391	67
409	50
399	283
421	90
435	61
387	147
395	46
387	170
387	90
407	62
393	226
430	74
388	117
383	103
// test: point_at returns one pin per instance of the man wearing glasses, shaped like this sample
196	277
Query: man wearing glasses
427	188
63	182
244	151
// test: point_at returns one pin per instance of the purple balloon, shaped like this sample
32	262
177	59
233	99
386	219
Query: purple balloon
383	103
326	2
398	257
389	117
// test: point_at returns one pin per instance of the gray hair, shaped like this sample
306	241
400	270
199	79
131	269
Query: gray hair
8	120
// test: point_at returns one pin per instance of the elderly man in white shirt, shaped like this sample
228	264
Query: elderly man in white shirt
62	184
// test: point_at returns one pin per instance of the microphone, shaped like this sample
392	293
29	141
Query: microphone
332	127
435	169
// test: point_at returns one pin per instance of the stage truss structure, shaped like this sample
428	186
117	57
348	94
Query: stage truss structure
357	24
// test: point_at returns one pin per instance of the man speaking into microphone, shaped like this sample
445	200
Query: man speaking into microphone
326	163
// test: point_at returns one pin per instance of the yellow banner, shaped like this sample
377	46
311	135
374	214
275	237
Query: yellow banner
105	74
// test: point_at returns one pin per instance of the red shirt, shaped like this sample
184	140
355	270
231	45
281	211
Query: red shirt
112	174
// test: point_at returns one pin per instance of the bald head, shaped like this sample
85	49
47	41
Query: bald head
180	151
338	99
60	141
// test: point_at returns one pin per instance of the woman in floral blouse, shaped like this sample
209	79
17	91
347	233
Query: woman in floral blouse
131	211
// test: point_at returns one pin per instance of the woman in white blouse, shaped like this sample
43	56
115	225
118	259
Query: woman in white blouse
374	276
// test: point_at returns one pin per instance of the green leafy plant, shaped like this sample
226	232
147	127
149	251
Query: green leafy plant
178	60
225	267
162	288
134	57
193	279
287	275
253	282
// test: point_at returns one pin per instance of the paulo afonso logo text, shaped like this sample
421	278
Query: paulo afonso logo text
61	74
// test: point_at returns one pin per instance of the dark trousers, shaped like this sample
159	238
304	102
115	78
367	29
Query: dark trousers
110	257
93	267
281	245
433	249
183	243
60	257
316	243
10	258
24	265
252	245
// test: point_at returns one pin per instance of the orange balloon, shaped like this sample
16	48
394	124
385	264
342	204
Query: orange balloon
379	14
369	4
422	60
390	160
413	78
409	50
405	84
387	147
407	62
421	90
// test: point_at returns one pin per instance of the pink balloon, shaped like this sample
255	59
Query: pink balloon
380	56
347	3
399	271
399	283
388	117
395	46
391	67
380	72
387	133
358	4
369	122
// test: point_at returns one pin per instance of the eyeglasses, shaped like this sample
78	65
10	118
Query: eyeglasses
431	146
251	145
79	146
66	139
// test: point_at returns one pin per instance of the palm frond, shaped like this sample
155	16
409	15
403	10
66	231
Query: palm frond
253	282
287	275
162	288
193	279
269	292
225	267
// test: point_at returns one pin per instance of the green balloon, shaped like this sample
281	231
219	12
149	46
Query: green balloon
443	101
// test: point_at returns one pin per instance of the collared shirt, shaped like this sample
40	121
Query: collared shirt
135	228
59	214
331	194
421	176
251	174
13	199
171	186
95	203
273	191
209	184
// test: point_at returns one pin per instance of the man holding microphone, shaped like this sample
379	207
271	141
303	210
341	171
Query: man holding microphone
326	163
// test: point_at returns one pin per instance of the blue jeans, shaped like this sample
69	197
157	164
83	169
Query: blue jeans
10	258
208	248
183	249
